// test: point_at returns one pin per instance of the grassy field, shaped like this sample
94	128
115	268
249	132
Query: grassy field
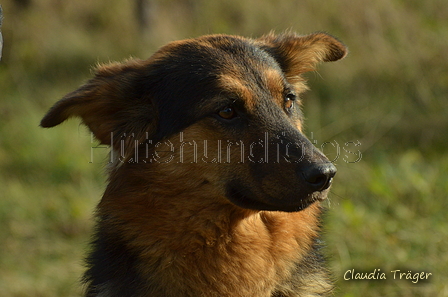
386	211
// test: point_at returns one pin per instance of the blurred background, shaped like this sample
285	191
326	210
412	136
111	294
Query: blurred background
384	110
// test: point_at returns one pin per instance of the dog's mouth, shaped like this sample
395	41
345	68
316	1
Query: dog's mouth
242	196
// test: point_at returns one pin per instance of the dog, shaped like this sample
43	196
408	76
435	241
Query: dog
214	190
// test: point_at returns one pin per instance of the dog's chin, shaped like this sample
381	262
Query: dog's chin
243	197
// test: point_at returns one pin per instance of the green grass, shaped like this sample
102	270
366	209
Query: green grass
387	211
391	219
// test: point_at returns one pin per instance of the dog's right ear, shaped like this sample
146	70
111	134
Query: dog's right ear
112	102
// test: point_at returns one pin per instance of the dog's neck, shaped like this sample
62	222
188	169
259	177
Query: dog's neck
207	244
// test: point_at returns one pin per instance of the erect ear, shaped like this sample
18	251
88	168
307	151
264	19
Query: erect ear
111	102
297	54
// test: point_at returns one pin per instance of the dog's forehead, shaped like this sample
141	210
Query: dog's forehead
232	63
213	55
219	48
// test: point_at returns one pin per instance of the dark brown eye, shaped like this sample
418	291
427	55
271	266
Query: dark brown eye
289	101
227	113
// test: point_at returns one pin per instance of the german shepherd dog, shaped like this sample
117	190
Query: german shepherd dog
214	189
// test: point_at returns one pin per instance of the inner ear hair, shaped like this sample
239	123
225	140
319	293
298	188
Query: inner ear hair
301	53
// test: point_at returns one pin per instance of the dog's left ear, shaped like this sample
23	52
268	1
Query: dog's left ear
113	104
298	54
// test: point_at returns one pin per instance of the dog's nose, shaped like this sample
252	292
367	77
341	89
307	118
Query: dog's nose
319	176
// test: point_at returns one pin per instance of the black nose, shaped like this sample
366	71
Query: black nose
319	176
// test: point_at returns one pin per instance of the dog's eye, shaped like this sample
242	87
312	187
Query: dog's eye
227	113
289	101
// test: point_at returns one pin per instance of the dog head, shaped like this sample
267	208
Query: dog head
224	110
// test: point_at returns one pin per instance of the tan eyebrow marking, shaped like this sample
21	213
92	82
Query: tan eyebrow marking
234	85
